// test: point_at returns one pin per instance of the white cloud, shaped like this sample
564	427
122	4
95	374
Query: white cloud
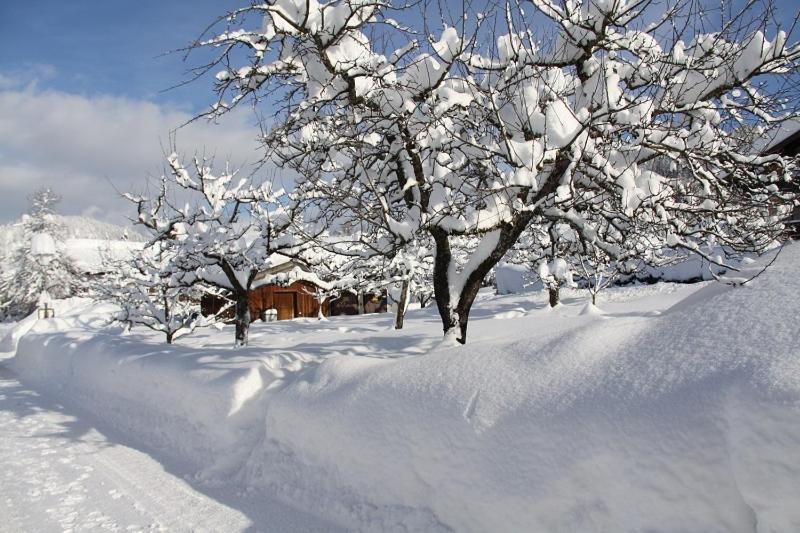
29	76
89	148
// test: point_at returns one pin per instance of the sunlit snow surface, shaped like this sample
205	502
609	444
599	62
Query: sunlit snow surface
670	408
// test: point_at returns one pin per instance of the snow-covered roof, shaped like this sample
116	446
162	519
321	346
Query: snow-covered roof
88	254
778	135
43	244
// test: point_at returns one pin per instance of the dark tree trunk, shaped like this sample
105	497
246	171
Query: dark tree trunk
594	298
401	306
456	314
441	282
241	295
167	318
242	319
554	296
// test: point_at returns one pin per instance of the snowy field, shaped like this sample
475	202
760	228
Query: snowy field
676	408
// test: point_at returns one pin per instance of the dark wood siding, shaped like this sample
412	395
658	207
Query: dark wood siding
211	305
790	147
347	303
297	300
291	301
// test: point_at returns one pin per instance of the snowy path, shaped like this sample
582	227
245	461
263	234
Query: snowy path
59	473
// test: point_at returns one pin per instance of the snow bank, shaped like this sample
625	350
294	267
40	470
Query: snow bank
511	279
687	419
192	405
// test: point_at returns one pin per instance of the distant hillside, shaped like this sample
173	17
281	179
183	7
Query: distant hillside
77	227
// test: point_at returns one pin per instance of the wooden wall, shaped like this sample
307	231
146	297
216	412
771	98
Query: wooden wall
294	301
291	301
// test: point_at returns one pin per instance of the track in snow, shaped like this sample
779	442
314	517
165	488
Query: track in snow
59	473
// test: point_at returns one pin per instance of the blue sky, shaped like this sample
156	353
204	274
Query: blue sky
83	106
118	48
107	46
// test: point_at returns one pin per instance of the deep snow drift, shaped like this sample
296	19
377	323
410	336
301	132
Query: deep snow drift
676	409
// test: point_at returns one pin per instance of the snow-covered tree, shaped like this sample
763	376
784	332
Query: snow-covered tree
349	266
502	120
410	272
39	266
224	232
42	206
330	274
547	249
598	270
150	292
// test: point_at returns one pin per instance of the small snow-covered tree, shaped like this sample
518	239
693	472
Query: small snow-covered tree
597	269
348	265
40	263
554	274
150	292
328	274
546	248
412	270
42	204
224	232
343	266
481	130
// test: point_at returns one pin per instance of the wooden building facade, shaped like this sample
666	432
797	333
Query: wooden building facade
295	300
790	147
291	301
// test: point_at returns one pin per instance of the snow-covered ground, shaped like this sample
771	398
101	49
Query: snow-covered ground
676	408
59	473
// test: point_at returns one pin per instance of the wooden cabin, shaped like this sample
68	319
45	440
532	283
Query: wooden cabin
296	299
350	303
790	146
291	301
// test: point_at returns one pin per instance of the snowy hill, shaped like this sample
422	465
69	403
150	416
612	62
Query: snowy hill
76	227
86	241
677	408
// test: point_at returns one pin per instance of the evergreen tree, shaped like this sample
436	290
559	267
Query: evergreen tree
39	266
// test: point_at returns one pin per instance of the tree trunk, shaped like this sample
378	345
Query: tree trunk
167	319
455	315
594	298
241	295
401	305
360	300
554	296
242	320
441	281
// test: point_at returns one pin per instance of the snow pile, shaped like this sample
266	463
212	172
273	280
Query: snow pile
511	279
686	419
689	421
689	269
189	404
